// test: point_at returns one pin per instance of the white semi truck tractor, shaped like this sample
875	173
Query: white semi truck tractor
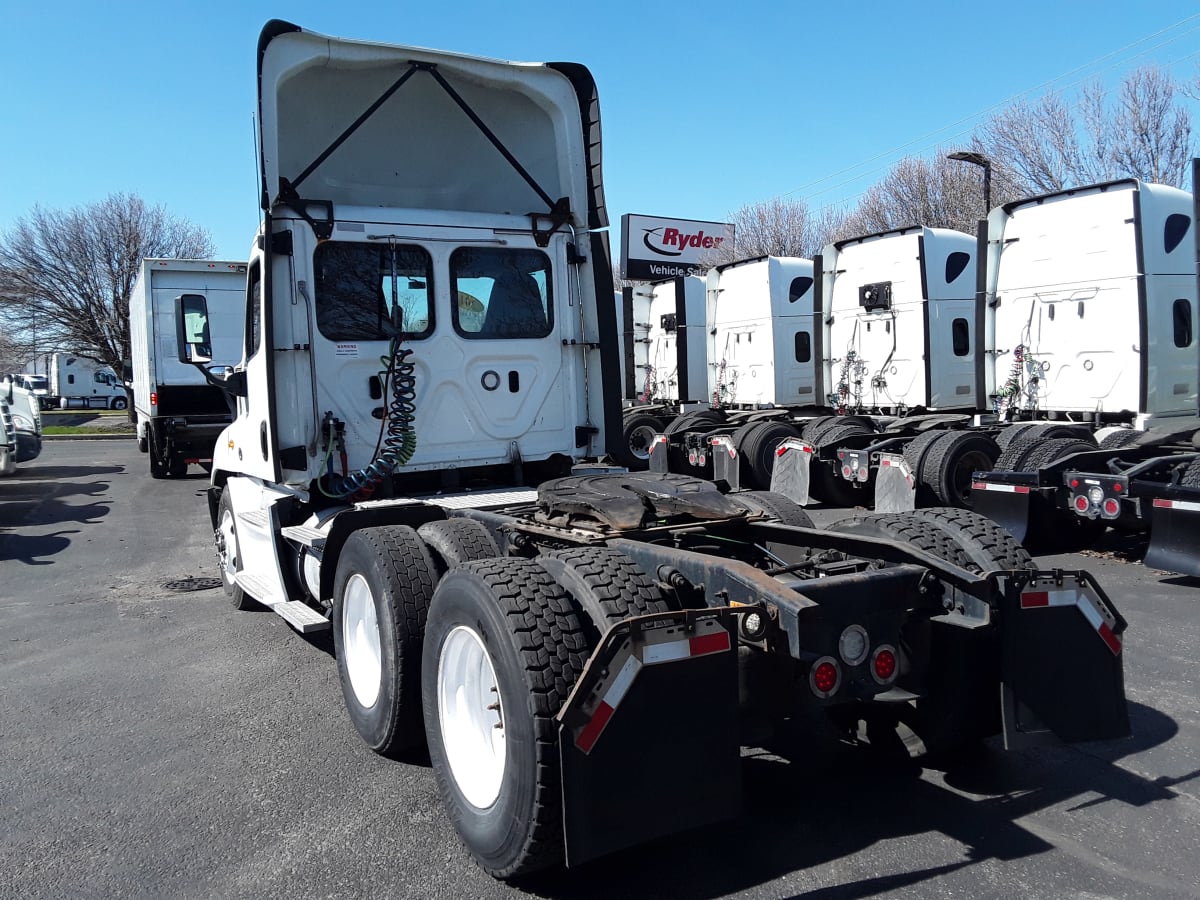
429	370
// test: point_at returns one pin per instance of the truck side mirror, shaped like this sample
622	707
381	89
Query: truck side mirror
191	329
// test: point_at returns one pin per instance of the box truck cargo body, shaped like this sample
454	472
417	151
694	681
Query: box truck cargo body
179	414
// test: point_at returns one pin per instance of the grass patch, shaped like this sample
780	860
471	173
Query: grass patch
114	428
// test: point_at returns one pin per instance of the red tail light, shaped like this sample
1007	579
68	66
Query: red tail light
1111	507
1117	488
1081	502
1074	482
846	471
883	664
154	398
825	676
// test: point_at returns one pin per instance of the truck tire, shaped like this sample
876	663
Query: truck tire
637	432
229	554
917	449
776	506
921	533
158	466
1053	449
177	466
1117	439
381	593
756	446
1042	430
697	419
1012	458
606	585
950	462
503	647
818	428
1190	477
987	544
813	426
143	444
455	541
119	403
826	484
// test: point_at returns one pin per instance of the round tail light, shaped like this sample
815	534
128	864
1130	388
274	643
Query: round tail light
884	663
1081	502
1111	507
846	471
824	677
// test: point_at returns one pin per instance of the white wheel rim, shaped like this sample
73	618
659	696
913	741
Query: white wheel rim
228	546
640	440
471	717
360	641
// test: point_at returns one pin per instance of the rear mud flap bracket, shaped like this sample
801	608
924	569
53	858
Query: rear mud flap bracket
648	740
1062	663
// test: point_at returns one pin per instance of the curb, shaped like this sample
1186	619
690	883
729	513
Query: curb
88	437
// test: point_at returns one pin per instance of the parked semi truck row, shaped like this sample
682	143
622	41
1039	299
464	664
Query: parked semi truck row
426	382
915	365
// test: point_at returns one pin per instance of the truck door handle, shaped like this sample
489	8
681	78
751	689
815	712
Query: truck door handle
514	381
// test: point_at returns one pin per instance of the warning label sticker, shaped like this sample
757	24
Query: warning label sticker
346	350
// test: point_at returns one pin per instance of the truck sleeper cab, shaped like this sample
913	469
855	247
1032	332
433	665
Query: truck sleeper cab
1125	265
425	385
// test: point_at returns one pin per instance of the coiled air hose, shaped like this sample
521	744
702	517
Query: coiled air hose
397	438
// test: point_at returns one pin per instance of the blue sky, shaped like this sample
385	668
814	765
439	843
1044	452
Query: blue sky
706	106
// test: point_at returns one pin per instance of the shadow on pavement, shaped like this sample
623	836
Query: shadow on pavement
826	803
30	549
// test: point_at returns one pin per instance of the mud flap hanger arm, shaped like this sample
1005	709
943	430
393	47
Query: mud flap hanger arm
558	212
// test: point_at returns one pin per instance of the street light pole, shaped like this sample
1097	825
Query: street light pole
978	159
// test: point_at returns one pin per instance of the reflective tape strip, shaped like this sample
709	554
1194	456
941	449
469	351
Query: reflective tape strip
1006	488
1093	610
1186	505
652	654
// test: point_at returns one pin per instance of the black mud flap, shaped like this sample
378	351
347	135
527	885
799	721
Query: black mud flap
1174	536
649	738
1008	505
1062	665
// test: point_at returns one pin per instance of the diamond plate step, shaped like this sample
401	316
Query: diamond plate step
303	534
257	587
301	616
259	518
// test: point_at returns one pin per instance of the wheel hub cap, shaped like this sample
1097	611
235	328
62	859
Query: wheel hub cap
360	641
471	717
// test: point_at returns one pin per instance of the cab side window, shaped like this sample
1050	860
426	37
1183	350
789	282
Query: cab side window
254	310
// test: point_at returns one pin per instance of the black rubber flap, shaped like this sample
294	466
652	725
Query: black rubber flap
664	757
631	500
1063	659
1174	535
1007	509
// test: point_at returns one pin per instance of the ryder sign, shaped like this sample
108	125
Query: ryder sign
653	248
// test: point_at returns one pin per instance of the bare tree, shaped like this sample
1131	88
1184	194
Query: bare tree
941	193
778	227
66	276
1051	144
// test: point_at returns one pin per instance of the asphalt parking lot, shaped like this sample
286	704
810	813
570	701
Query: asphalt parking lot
155	742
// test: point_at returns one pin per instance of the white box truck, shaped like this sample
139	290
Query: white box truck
179	414
79	382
